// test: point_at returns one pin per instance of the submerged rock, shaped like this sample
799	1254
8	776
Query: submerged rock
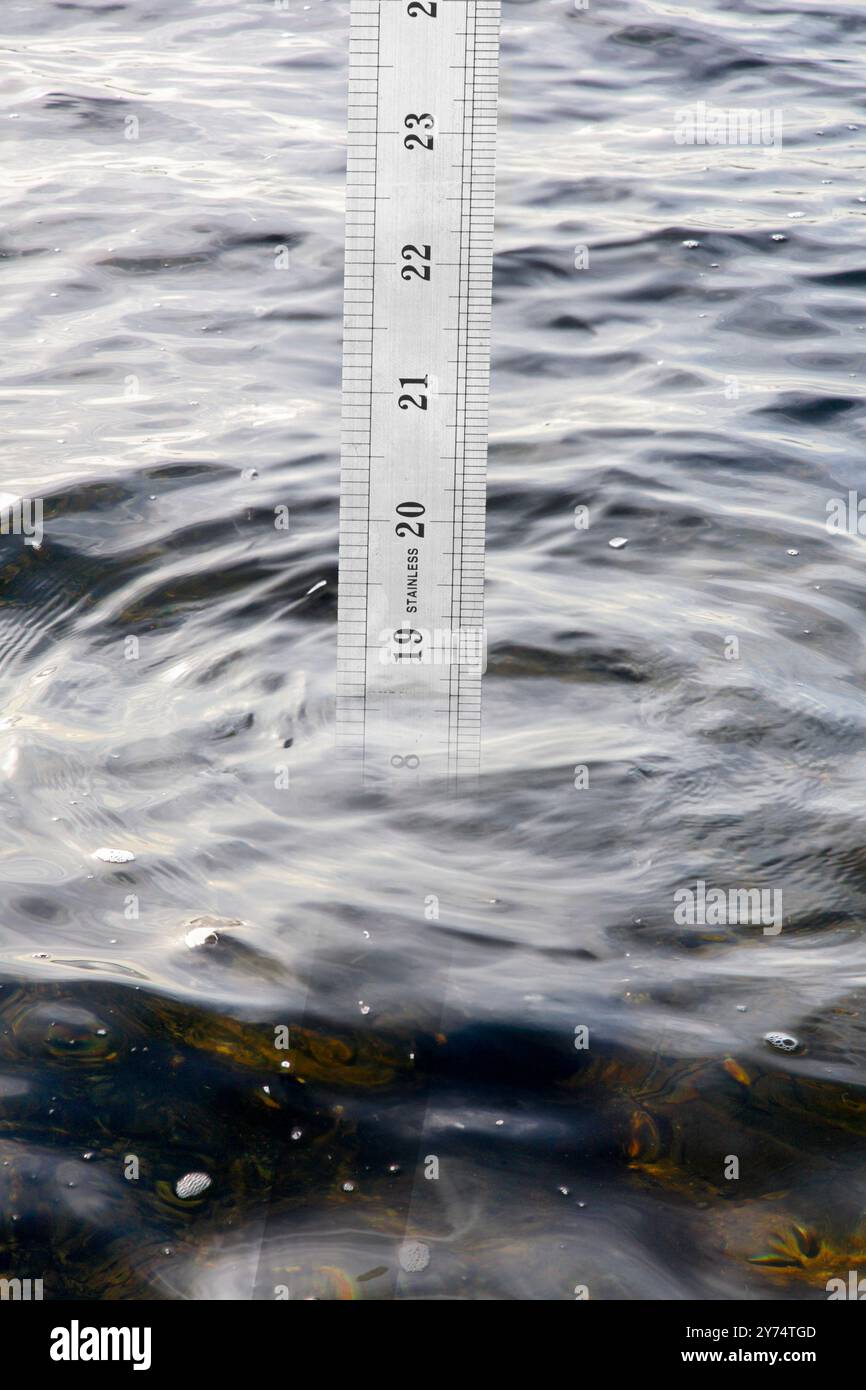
192	1185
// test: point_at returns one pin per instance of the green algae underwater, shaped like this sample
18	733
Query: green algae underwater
338	1170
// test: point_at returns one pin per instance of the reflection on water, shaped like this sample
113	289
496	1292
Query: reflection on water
440	1047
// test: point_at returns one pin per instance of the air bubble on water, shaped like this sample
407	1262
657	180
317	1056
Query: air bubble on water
792	552
114	856
691	244
742	1008
618	542
192	1185
348	1187
778	236
249	473
796	214
785	1042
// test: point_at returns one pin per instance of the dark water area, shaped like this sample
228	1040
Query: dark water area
678	347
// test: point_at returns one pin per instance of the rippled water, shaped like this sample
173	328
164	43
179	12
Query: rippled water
678	342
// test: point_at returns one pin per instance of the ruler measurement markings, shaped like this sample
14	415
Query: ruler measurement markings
447	62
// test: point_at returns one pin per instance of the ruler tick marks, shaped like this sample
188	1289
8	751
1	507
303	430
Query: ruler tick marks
419	237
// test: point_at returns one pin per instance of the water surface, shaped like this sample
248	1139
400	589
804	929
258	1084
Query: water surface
678	347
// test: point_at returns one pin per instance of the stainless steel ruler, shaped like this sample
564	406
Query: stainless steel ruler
423	87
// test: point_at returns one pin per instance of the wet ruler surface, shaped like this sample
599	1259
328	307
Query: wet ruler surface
423	89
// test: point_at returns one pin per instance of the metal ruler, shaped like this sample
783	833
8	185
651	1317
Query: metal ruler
423	85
